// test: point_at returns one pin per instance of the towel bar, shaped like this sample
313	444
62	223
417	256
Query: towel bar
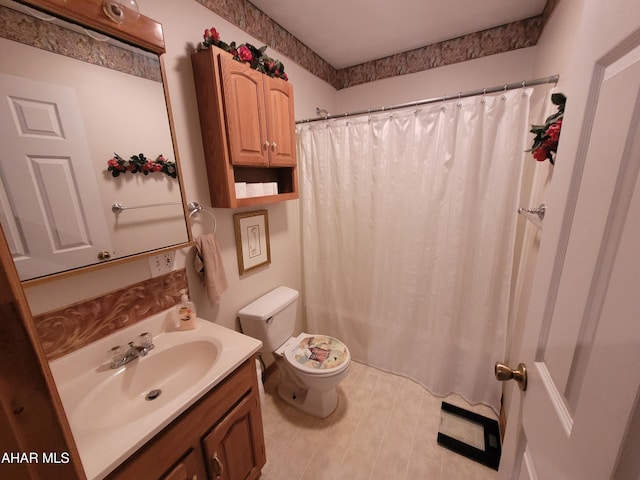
118	207
539	211
194	210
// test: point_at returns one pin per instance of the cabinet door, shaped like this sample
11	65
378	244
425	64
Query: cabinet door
235	448
187	469
280	122
245	114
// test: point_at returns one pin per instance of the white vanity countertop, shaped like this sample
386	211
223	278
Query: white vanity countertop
107	410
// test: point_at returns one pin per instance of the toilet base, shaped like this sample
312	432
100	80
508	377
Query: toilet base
317	403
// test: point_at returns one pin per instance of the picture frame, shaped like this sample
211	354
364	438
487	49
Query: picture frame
252	239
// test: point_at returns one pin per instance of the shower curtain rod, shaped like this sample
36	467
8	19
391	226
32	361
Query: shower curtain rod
470	93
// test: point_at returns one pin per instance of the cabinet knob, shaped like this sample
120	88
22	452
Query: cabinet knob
274	145
104	255
218	468
265	145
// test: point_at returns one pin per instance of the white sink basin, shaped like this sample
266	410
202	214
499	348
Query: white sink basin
141	387
113	412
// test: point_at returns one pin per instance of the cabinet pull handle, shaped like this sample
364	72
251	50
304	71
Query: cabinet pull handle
265	145
218	468
274	145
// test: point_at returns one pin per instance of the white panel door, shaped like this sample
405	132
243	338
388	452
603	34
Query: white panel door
582	339
49	202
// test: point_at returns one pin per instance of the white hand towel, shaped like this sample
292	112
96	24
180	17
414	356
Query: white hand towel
208	263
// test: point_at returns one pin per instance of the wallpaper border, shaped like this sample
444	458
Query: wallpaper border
501	39
22	28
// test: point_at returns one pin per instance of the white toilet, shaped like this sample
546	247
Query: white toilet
311	365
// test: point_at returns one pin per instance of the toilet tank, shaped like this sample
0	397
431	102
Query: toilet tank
271	318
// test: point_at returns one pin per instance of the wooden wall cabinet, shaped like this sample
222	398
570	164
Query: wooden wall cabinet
248	129
218	438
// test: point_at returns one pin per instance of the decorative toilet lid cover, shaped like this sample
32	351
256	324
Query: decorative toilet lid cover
319	353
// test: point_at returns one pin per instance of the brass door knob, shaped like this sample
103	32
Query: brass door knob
504	373
104	255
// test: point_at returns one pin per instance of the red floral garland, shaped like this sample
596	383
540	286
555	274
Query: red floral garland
245	52
545	143
140	163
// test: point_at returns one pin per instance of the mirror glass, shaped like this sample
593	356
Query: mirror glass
73	103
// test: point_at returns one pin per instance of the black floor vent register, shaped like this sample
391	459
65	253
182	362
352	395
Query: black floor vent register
469	434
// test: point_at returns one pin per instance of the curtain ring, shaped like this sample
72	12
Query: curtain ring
504	97
484	94
459	99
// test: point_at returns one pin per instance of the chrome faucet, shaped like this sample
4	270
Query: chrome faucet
120	356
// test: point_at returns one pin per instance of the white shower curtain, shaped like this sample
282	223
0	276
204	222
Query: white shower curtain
408	228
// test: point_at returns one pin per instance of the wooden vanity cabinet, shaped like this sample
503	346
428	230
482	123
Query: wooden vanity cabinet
218	438
247	125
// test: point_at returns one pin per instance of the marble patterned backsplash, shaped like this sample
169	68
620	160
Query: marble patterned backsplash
72	327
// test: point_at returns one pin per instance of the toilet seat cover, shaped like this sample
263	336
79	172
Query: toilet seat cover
318	354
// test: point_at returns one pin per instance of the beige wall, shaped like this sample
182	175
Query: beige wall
554	53
184	22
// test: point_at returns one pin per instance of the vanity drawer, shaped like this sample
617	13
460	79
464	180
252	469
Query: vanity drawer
189	468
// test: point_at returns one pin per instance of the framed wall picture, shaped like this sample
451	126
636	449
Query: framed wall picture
252	239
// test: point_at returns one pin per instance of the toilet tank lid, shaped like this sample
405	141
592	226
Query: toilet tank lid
269	304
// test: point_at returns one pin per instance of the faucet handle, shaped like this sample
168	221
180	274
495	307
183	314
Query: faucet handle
116	355
145	340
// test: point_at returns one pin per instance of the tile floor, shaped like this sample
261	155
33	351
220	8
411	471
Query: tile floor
385	426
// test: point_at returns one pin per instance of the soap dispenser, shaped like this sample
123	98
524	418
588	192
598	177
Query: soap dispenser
186	312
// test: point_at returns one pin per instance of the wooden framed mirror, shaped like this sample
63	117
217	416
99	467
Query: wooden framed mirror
78	88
